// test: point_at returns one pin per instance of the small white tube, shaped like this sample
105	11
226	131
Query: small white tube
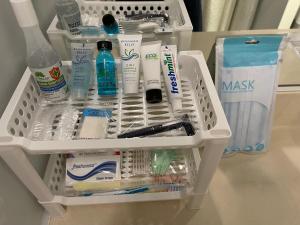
150	54
130	56
170	68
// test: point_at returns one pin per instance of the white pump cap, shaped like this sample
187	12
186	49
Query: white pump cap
24	12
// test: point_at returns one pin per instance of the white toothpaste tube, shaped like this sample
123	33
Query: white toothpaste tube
170	68
92	168
130	56
150	54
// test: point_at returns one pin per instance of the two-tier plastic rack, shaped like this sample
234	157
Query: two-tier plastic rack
204	149
178	32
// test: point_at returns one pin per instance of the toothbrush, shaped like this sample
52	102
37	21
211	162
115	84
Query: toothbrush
120	192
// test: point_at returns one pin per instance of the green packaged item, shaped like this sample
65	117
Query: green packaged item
162	160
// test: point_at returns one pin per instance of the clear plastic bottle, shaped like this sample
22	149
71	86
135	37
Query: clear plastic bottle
42	60
106	70
68	15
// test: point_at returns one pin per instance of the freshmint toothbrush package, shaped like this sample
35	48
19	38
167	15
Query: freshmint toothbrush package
246	79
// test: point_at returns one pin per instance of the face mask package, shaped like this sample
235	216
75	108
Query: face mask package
246	79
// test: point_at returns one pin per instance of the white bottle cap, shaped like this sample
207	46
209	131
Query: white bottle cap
176	104
24	12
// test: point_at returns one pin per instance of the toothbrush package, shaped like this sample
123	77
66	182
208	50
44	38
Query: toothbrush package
246	79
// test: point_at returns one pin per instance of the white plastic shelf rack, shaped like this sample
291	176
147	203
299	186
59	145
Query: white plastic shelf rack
200	101
178	32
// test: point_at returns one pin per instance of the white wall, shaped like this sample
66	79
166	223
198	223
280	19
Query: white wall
17	205
269	14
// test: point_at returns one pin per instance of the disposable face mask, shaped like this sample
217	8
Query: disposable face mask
246	79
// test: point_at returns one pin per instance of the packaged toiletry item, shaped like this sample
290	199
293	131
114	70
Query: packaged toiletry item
167	162
150	54
43	62
130	59
90	25
54	122
95	122
106	70
110	25
95	168
68	15
170	68
246	80
82	69
89	30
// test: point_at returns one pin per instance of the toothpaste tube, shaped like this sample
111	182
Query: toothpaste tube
92	168
171	75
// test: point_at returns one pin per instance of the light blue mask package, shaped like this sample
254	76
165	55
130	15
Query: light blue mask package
246	79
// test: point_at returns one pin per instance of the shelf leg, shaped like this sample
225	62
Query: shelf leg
18	162
210	158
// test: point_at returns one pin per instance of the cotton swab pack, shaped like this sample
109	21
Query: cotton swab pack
246	80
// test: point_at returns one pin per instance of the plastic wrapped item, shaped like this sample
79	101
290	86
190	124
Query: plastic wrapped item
246	79
92	168
95	123
54	122
145	23
168	166
91	25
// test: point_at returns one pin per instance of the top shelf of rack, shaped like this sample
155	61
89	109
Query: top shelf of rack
178	30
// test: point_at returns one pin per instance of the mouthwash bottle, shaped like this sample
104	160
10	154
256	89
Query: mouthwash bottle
43	62
110	25
68	15
106	70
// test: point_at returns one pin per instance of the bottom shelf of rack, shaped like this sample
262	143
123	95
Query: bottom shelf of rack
110	199
55	180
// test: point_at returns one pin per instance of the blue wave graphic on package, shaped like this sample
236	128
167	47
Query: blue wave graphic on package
109	166
130	55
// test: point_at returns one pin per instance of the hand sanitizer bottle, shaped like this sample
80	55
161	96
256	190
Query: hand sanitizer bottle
42	60
106	70
68	15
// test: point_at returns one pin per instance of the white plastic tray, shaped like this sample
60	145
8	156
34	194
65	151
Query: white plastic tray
55	177
179	32
200	102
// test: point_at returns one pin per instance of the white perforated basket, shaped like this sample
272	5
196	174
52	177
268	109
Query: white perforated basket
200	101
179	32
55	180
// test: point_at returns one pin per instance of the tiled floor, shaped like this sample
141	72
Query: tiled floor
246	189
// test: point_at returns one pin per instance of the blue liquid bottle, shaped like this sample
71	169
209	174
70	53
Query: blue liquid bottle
106	70
110	25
